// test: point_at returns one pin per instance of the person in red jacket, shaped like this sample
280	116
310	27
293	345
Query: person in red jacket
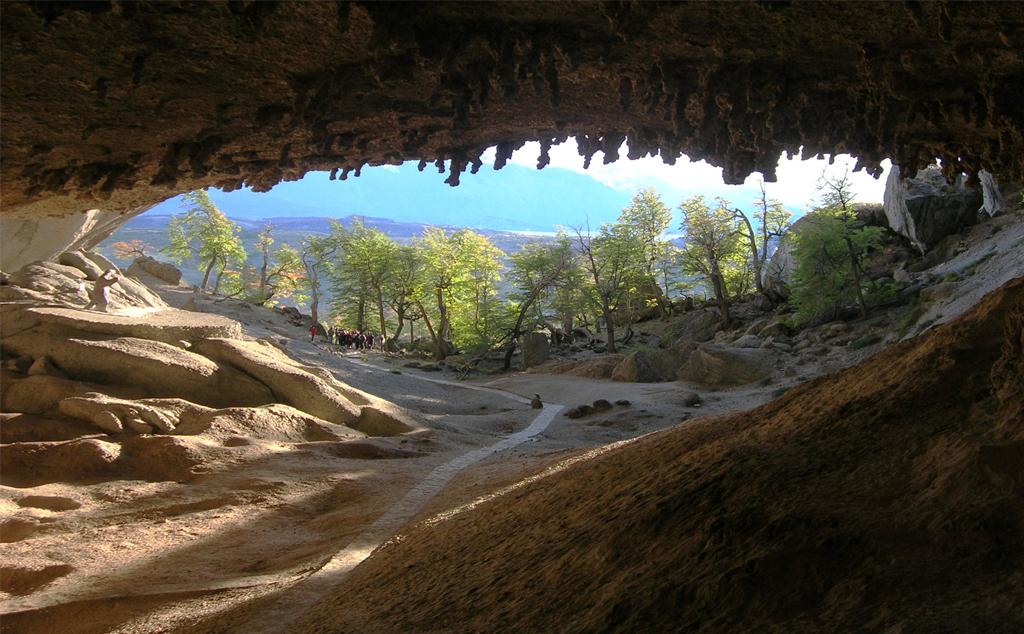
312	332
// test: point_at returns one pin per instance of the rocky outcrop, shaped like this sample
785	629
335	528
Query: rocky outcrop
777	273
925	209
695	326
648	365
713	365
163	271
50	282
536	347
31	239
109	127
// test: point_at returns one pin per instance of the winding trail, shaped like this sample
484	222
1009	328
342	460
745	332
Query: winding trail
305	592
287	595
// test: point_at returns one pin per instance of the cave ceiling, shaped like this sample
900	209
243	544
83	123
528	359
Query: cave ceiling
120	105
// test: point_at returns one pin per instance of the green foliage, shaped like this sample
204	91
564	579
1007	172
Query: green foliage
279	276
460	273
204	233
829	251
713	250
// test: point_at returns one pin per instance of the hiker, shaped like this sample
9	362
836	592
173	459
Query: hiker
312	333
99	297
369	341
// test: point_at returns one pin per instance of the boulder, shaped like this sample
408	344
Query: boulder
154	368
536	347
78	260
748	341
695	326
39	394
777	273
169	326
269	422
102	261
713	365
647	366
59	283
55	281
290	383
600	367
160	270
925	209
29	464
113	415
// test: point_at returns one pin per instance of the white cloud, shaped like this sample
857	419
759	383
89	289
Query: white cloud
796	186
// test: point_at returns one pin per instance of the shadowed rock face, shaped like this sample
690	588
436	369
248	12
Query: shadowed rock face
119	105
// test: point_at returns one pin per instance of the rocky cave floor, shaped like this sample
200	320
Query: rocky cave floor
134	531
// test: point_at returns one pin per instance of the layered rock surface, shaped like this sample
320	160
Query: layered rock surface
145	369
885	495
95	115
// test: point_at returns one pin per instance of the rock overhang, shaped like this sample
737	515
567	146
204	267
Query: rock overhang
119	105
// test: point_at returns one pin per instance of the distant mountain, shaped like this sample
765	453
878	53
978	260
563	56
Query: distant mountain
517	198
151	228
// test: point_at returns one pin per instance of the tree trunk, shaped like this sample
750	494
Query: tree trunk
380	311
220	274
855	267
262	294
755	256
206	276
609	325
430	326
718	285
440	349
314	302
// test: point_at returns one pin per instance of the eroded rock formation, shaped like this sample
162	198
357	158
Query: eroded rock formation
119	105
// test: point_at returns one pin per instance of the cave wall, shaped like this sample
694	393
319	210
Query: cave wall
118	105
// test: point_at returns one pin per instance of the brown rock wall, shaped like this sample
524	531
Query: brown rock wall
123	104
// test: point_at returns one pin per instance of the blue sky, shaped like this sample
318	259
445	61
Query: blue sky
523	198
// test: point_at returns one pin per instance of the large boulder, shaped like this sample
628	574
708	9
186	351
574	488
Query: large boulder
536	348
696	326
163	271
269	422
155	368
777	273
51	282
290	384
169	326
599	367
925	209
713	365
78	260
648	366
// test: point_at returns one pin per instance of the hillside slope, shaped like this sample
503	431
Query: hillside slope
886	497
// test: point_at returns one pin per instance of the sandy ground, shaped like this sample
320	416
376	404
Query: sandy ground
135	556
261	535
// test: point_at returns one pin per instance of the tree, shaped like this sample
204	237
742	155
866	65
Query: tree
203	232
534	270
367	263
611	259
829	253
646	220
772	221
459	277
131	249
281	270
711	239
400	290
316	255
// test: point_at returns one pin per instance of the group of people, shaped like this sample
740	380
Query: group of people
353	339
